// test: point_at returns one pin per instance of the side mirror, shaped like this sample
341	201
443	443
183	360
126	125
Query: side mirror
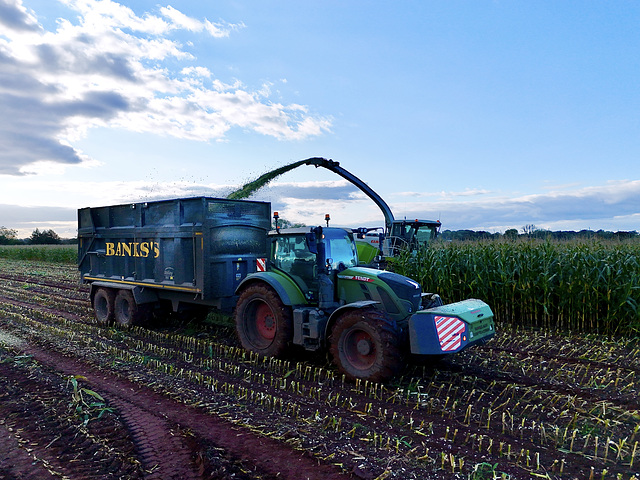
329	263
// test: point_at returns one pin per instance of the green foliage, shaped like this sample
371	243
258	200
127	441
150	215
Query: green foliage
85	403
511	234
580	287
19	360
531	232
486	471
284	223
44	237
8	236
47	253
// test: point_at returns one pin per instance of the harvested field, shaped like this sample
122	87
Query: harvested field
179	401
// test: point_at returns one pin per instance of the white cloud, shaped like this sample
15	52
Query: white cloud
17	18
182	21
106	15
469	192
614	205
105	68
196	72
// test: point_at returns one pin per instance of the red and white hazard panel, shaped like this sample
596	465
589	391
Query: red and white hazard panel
261	264
450	331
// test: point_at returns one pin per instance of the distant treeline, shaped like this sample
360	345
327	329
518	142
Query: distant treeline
470	235
49	237
9	236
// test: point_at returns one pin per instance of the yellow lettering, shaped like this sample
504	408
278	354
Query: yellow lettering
133	249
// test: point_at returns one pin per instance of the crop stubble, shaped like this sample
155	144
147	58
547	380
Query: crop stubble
529	405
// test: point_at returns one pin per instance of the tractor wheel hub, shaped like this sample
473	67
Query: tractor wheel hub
364	347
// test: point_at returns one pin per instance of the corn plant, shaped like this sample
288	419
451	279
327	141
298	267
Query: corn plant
47	253
588	287
86	408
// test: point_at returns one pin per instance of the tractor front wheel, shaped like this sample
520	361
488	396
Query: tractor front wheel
366	344
263	323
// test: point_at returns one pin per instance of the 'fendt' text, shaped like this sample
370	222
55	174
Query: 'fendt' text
133	249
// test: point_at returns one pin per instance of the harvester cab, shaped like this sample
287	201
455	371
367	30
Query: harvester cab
397	234
410	234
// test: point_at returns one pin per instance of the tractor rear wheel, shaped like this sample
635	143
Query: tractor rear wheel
366	344
263	323
103	305
127	311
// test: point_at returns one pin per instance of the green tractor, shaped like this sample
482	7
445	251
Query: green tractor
311	292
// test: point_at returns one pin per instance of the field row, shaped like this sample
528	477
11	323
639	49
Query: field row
527	405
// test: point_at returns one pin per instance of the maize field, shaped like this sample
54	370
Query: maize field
571	287
49	253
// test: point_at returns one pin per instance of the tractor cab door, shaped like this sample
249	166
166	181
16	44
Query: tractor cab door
340	248
293	255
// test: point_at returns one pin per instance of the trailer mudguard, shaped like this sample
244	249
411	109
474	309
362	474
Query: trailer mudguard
450	328
286	288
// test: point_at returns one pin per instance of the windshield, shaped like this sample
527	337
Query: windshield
425	234
341	248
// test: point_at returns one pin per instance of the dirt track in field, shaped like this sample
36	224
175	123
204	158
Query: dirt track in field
164	432
194	406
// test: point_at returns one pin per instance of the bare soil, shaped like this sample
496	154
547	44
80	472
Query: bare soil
181	400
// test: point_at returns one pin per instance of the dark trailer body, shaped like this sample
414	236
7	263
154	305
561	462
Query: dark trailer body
183	251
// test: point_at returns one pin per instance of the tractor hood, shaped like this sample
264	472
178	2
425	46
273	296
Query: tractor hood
400	295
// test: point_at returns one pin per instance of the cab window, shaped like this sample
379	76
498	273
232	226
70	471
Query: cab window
425	234
342	249
292	255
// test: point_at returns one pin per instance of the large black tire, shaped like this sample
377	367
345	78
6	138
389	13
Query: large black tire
367	344
103	305
127	311
263	323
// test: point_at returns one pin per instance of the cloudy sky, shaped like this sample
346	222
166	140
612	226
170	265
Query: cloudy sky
485	114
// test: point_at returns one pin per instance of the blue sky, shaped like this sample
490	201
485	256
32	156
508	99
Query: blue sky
487	115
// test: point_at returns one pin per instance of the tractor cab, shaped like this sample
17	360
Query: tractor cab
304	253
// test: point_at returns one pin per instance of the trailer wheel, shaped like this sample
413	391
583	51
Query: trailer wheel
127	311
263	322
103	305
366	344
